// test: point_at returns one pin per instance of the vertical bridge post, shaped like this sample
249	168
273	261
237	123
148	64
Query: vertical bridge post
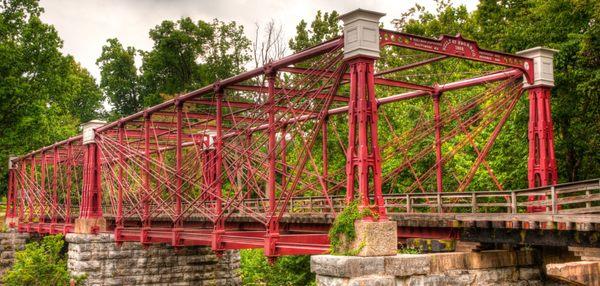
90	208
375	235
541	162
11	219
217	184
272	231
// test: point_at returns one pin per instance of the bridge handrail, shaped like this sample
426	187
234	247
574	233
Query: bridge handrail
410	202
533	191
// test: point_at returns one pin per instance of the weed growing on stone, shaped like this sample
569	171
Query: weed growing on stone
342	232
406	249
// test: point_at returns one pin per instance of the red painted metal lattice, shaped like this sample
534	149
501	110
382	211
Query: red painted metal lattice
233	165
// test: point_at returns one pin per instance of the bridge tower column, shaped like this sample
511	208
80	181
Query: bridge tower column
272	230
363	158
541	161
378	235
11	218
90	208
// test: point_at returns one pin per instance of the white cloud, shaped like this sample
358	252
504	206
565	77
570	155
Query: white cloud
85	25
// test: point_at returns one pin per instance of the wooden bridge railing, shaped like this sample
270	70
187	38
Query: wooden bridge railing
570	198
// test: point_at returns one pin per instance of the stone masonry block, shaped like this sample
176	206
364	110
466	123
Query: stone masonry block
584	272
490	259
373	280
376	238
442	262
407	265
492	276
131	264
331	281
346	266
529	274
89	225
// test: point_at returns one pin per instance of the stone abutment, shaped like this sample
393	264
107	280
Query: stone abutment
105	263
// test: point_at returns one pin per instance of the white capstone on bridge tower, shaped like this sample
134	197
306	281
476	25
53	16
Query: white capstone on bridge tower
361	33
88	130
11	162
543	65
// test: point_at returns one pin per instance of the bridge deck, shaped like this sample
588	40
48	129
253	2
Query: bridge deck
571	219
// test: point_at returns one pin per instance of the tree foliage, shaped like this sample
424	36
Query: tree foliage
570	26
45	95
186	55
286	271
324	27
118	77
40	263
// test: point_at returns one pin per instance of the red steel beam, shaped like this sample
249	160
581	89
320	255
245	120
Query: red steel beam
248	105
506	74
292	59
235	118
378	81
289	92
457	47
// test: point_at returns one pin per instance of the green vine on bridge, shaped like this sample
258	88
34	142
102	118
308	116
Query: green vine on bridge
342	233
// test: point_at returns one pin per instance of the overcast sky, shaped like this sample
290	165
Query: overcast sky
84	25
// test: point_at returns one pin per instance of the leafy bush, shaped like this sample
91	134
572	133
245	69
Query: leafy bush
287	270
40	263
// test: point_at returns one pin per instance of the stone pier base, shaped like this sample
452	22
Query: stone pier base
11	222
457	268
90	225
581	272
10	242
104	263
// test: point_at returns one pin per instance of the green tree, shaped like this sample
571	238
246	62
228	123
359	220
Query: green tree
227	52
171	66
119	78
188	55
40	263
324	27
45	95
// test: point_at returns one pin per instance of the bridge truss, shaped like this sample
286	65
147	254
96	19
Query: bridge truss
247	161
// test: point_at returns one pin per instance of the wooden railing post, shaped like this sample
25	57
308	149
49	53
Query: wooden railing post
588	204
554	202
408	204
439	203
473	202
513	202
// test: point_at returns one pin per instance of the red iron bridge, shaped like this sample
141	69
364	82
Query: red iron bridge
269	157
